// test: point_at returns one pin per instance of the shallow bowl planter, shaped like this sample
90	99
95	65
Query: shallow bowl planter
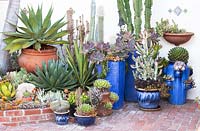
148	99
30	58
85	120
61	118
178	38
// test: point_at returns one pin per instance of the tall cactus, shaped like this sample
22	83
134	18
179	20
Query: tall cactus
125	13
92	21
137	5
148	4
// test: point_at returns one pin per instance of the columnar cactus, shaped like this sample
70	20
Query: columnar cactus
92	21
137	5
148	4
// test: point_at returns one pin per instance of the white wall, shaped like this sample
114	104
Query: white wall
188	20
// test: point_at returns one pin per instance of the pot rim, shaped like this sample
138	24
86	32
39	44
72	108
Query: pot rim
179	34
149	90
66	112
50	49
75	114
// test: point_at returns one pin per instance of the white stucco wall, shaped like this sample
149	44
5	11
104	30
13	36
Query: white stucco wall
189	21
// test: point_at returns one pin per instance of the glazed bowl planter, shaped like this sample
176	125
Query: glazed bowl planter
30	58
85	120
148	99
178	38
61	118
116	77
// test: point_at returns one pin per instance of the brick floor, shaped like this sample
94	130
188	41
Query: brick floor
130	118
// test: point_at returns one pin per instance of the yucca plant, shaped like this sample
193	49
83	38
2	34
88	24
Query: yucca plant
53	77
83	70
35	32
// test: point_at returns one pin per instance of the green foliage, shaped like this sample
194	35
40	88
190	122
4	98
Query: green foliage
72	98
178	54
36	31
108	105
84	98
27	94
83	70
85	109
53	77
102	84
113	96
165	27
60	106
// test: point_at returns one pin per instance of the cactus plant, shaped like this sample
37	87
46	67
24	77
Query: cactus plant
178	54
86	110
72	98
137	5
148	4
53	77
60	106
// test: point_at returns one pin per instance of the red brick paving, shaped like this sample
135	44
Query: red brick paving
130	118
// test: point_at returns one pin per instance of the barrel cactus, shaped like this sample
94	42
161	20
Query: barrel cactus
178	54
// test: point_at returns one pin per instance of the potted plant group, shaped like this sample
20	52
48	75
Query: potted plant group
34	38
147	75
85	114
172	33
61	110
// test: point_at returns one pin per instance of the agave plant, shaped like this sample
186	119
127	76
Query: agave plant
53	77
36	31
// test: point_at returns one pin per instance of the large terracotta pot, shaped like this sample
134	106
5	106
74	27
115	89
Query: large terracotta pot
30	58
178	38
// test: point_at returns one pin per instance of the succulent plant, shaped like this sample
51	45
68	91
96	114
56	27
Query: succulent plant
36	31
30	105
114	97
27	94
86	110
60	106
72	98
178	54
102	84
7	90
95	96
164	26
108	105
84	98
53	77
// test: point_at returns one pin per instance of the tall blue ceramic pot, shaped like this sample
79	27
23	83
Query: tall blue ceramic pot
99	69
148	99
130	93
116	77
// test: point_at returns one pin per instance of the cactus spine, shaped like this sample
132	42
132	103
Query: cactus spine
148	4
125	13
137	5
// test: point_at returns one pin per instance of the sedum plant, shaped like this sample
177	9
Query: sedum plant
108	105
164	26
113	96
37	31
53	77
178	54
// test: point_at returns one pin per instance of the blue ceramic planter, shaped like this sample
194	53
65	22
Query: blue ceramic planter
85	120
178	90
99	69
148	99
130	93
116	77
61	118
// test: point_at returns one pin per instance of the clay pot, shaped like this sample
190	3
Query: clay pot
178	38
105	97
30	58
27	99
102	111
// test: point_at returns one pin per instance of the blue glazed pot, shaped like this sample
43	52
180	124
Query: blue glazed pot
99	69
116	77
85	120
130	93
61	118
148	99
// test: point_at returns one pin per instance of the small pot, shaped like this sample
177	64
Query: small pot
85	120
61	118
27	99
105	96
178	38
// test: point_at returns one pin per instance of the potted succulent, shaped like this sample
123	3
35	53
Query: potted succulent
172	33
180	73
61	110
27	96
34	38
85	115
147	75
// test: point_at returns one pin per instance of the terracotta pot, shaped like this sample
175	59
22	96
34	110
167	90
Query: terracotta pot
178	38
30	58
105	97
27	99
102	111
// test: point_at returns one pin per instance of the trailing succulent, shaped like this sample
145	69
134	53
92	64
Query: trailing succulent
178	54
165	27
53	77
36	31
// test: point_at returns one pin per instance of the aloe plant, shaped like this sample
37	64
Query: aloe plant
35	32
